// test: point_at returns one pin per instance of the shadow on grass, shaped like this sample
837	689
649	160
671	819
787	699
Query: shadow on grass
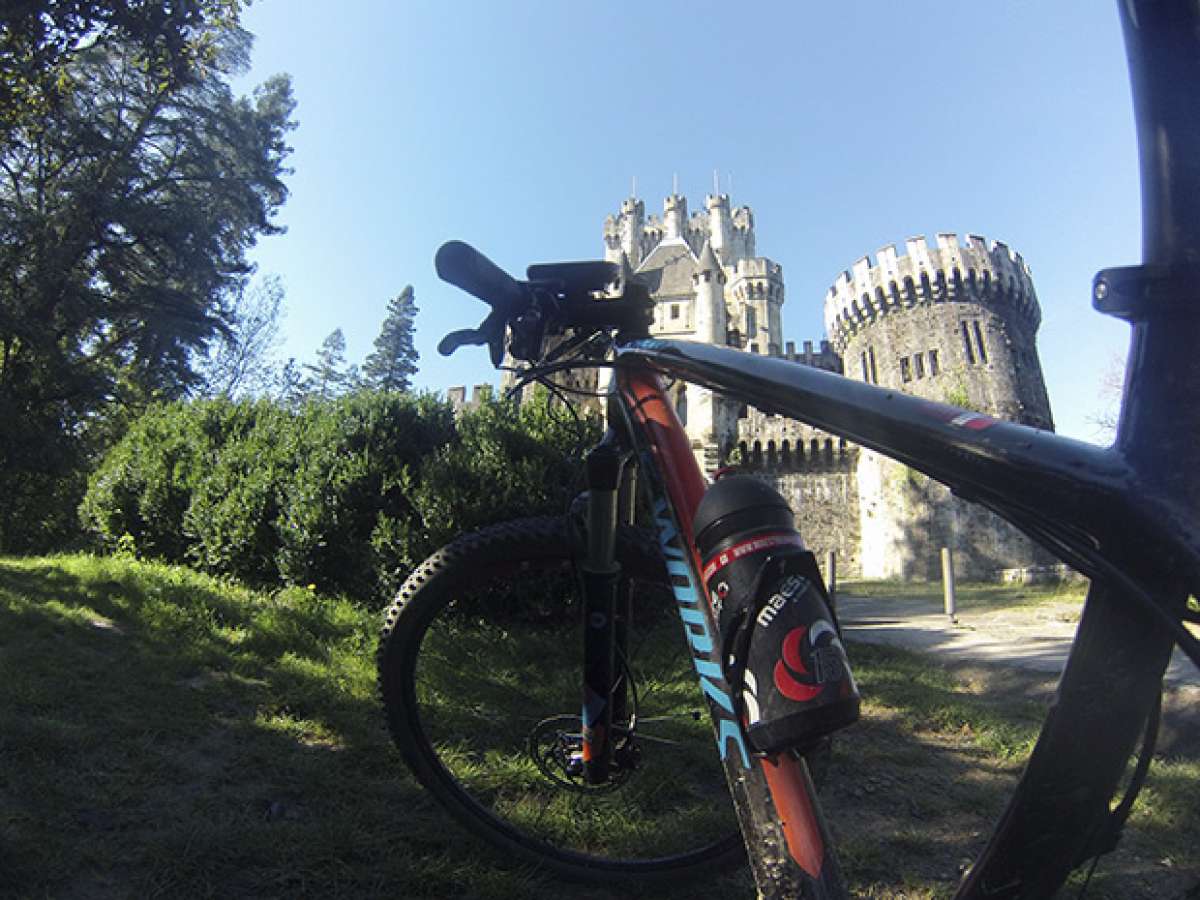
916	787
163	734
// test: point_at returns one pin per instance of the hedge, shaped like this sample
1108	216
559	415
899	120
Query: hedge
347	495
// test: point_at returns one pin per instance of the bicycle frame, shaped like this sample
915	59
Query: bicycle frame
787	837
1091	505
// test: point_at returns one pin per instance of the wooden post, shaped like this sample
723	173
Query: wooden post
831	574
948	583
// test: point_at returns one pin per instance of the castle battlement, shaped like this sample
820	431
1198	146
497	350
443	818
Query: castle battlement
993	276
778	447
758	267
822	358
457	397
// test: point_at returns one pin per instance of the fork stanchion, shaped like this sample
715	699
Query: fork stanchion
948	584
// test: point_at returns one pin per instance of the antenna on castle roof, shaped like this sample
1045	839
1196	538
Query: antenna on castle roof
716	183
634	194
675	183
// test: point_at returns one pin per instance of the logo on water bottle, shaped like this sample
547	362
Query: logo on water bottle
750	698
792	676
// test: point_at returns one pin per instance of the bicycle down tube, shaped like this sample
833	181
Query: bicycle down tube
786	836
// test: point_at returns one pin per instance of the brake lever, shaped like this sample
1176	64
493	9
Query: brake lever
490	332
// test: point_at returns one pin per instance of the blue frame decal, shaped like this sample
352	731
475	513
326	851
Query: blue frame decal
700	634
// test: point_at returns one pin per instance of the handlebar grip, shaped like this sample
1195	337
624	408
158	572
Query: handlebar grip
463	266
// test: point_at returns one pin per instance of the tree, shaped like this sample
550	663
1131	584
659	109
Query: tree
239	362
1112	387
289	386
329	376
41	39
125	218
393	362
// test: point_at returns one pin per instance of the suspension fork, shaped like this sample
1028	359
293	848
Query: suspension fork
606	606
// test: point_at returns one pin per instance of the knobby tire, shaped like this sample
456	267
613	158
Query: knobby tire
462	692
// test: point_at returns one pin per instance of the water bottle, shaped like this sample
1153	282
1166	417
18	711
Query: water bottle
779	637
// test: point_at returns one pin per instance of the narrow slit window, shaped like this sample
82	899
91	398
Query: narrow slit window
919	365
865	370
966	336
933	363
979	342
905	369
871	360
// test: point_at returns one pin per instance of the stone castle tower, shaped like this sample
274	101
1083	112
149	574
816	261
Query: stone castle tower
955	324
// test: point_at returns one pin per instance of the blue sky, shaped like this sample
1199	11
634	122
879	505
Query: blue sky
844	126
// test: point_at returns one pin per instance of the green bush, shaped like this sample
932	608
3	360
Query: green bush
347	495
352	463
230	517
510	460
144	485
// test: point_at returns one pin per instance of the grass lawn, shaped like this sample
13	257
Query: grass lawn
974	596
164	734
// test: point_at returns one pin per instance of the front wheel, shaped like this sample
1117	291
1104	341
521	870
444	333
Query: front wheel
480	673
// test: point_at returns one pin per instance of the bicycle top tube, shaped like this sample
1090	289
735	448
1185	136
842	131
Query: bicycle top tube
1089	497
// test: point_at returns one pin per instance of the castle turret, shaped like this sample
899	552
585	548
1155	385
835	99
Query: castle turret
623	233
743	234
955	324
674	217
756	290
708	280
720	225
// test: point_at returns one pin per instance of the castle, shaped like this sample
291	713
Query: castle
951	323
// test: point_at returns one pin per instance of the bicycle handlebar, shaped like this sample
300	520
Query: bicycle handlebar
556	296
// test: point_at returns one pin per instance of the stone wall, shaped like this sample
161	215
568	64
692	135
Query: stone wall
826	508
906	518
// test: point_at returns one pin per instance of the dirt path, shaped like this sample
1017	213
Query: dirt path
1036	637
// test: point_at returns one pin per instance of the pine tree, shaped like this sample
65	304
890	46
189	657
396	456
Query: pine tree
329	377
393	362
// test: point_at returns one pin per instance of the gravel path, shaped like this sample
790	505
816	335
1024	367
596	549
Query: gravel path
1036	637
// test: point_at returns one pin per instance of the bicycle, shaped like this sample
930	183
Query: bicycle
545	784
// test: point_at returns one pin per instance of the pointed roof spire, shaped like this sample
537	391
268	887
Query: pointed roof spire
708	261
626	268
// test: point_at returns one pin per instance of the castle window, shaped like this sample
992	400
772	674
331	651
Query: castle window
871	360
866	371
751	323
674	310
919	365
933	363
970	351
905	369
979	342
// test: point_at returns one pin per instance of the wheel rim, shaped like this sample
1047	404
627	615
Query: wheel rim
502	659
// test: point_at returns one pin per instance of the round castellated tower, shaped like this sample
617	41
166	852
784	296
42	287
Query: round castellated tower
756	292
954	324
957	325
